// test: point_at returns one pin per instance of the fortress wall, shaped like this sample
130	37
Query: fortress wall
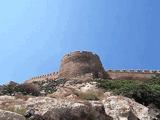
81	63
86	65
113	74
52	76
131	74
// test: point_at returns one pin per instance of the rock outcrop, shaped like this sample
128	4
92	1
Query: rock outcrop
112	108
66	104
7	115
122	108
77	111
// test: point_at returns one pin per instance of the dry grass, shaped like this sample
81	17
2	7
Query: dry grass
23	97
20	110
14	105
89	95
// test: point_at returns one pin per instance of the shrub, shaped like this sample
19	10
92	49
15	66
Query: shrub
25	89
146	93
9	89
28	89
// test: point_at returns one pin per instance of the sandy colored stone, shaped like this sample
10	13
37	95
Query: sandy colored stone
7	115
80	63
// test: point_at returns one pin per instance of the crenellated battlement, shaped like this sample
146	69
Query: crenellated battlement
82	63
45	75
136	71
132	74
114	74
52	76
77	53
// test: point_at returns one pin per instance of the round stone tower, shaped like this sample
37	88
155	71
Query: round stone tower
81	63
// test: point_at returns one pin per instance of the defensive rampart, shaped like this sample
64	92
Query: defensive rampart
132	74
81	63
84	64
52	76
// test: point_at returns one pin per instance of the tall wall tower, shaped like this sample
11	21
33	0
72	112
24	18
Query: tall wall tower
81	63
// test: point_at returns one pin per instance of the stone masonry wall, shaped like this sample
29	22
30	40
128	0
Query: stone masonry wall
132	74
52	76
84	64
81	63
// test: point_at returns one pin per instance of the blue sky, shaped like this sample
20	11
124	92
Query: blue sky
35	34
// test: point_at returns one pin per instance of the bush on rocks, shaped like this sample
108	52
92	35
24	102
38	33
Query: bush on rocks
49	86
28	89
144	92
25	89
9	89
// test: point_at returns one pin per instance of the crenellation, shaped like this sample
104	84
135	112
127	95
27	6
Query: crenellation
132	71
154	71
82	63
138	71
79	52
53	75
86	52
135	71
146	71
76	52
124	70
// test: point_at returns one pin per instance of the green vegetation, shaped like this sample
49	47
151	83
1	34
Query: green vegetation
144	92
25	89
9	89
28	89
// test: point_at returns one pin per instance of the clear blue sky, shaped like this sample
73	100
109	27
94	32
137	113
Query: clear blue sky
35	34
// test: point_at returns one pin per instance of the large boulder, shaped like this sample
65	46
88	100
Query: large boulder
58	109
12	103
122	108
77	111
110	108
154	112
69	89
7	115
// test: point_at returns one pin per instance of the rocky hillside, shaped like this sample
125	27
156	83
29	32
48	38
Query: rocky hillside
69	100
81	91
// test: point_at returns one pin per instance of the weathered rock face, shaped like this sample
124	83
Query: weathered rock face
81	63
113	108
7	115
122	108
70	102
69	106
109	108
58	109
77	111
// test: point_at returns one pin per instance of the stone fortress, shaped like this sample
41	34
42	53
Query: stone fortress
84	64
